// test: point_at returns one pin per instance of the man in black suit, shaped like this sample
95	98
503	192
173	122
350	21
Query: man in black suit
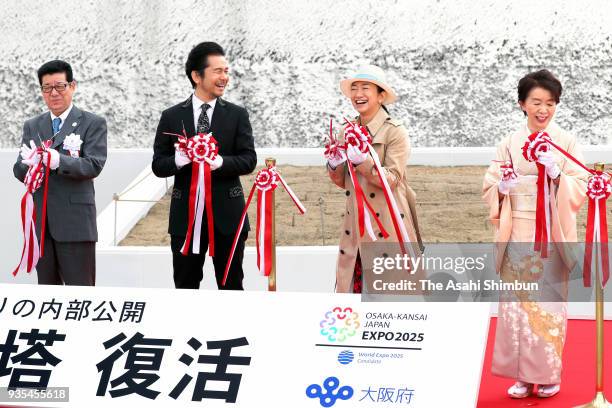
205	112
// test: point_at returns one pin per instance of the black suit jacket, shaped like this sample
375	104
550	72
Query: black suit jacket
231	128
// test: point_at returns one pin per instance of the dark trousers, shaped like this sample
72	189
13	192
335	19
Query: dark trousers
67	263
188	268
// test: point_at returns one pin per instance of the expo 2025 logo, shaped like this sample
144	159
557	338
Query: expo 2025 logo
339	324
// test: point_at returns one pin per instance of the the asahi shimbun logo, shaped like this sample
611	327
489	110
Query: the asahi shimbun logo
339	324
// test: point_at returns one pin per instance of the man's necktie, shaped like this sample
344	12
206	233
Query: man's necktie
203	123
56	125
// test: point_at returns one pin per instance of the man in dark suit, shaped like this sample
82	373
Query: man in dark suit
77	156
205	112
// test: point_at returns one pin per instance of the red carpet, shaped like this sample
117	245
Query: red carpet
577	379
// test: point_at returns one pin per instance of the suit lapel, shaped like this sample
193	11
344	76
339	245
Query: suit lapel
70	125
44	128
186	117
217	118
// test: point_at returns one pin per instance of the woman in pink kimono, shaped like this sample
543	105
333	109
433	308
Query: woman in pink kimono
530	334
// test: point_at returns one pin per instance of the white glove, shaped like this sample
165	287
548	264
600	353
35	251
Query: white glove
55	158
29	156
334	161
355	155
216	163
548	160
181	159
504	186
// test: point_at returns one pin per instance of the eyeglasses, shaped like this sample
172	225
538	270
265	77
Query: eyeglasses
59	87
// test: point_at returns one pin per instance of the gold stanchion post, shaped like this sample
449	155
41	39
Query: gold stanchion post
271	162
600	399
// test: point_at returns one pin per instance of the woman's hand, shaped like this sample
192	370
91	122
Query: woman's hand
547	159
504	186
336	160
355	155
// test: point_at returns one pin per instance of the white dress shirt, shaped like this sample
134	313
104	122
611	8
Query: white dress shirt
197	109
63	116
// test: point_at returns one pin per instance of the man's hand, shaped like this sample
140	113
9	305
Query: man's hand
54	158
216	163
29	155
181	159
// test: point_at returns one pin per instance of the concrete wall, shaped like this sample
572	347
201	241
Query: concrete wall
455	64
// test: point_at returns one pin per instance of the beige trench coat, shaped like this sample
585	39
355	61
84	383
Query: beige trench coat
391	143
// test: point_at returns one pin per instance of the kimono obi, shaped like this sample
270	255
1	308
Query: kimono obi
523	197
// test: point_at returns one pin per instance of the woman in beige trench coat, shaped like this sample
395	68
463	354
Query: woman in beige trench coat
369	93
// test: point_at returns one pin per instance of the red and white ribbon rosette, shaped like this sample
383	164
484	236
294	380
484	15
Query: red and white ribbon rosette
598	191
359	136
200	149
265	183
536	143
33	180
506	169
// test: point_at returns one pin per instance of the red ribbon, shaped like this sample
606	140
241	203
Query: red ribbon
201	149
265	183
362	205
332	147
359	136
598	191
536	143
43	227
35	176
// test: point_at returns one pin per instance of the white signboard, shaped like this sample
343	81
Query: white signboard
115	347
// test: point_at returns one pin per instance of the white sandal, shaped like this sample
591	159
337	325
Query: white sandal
520	389
548	390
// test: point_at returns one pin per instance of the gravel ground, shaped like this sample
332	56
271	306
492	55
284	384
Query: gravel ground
449	208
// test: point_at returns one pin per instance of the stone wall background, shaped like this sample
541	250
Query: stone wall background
455	64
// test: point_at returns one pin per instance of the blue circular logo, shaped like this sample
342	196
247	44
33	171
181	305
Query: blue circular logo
346	357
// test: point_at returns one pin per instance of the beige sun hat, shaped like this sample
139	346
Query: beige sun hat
373	74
